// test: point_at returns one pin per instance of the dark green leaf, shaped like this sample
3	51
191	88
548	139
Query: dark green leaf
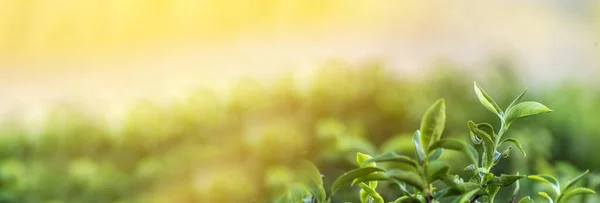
392	157
516	143
457	145
526	200
505	180
348	177
516	100
436	169
409	178
432	124
486	100
523	109
418	149
575	192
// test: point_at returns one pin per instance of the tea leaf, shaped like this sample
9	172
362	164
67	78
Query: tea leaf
486	100
545	195
371	177
547	179
526	200
571	183
407	199
488	143
348	177
418	149
465	197
436	169
361	158
575	192
314	185
410	178
457	145
436	154
371	192
505	180
516	99
392	157
432	124
523	109
516	143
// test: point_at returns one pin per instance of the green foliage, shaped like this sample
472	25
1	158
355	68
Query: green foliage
427	169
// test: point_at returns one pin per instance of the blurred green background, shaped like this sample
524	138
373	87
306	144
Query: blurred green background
243	148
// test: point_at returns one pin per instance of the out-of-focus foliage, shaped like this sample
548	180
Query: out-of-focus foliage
247	147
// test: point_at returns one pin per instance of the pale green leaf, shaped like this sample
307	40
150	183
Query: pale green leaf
523	109
548	180
516	99
371	192
526	200
575	192
486	100
432	124
419	152
349	176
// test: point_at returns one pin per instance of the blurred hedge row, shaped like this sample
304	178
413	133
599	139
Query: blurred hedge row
244	148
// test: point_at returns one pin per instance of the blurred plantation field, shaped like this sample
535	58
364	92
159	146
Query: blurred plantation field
244	148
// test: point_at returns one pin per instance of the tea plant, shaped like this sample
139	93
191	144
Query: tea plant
415	181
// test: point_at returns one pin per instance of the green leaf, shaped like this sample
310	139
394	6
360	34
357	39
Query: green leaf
371	177
392	157
313	182
361	158
545	195
547	179
505	180
418	149
506	152
407	199
526	200
371	192
488	143
432	124
571	183
497	156
436	154
523	109
516	100
575	192
465	197
470	167
516	143
348	177
409	178
436	169
486	100
457	145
